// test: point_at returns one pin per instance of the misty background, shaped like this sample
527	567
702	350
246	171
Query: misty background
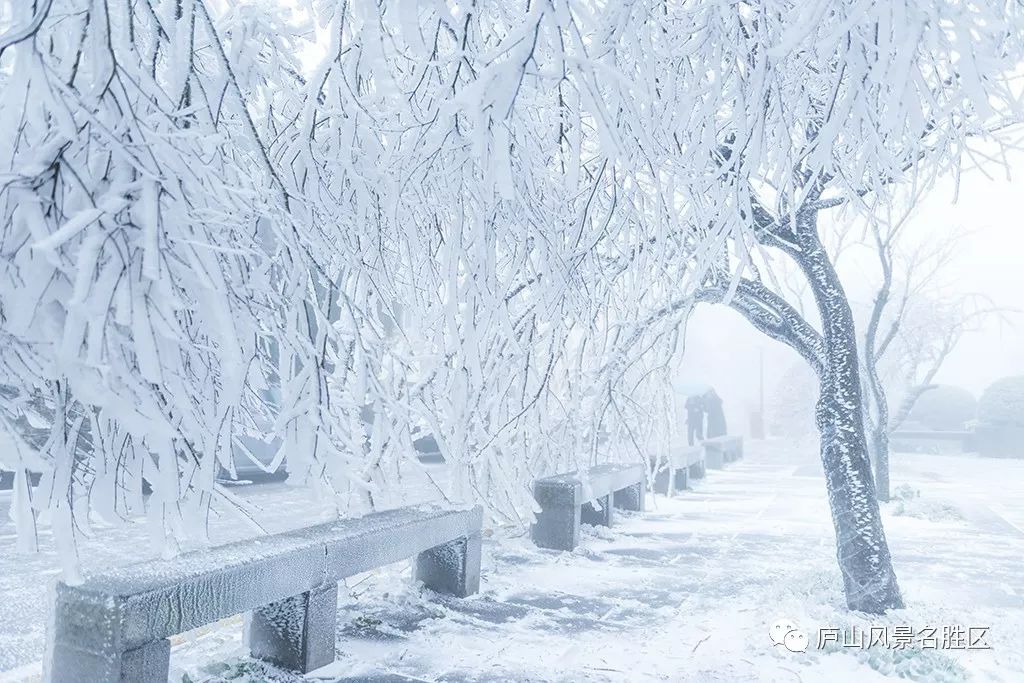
722	348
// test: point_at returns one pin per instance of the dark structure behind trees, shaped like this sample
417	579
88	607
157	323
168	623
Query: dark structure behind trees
694	419
715	414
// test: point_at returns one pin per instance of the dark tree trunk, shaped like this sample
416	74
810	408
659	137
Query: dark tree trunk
878	428
878	438
882	487
868	577
862	551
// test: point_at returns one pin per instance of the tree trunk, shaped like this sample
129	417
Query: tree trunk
878	428
863	554
882	465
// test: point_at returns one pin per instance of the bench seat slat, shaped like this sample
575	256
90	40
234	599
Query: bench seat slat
125	608
565	501
602	479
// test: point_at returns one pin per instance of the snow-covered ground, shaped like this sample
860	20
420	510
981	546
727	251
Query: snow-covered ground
683	592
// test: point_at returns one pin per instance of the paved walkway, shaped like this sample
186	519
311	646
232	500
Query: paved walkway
686	591
683	592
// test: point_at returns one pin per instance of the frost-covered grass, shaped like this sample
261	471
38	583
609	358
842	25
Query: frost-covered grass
907	502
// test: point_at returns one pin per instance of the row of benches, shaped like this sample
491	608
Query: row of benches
567	500
114	627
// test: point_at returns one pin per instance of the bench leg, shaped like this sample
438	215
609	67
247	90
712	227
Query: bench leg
147	664
558	522
452	568
296	633
682	479
589	514
662	481
630	498
714	459
557	527
695	471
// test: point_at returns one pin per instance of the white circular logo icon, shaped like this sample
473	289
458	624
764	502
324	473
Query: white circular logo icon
785	633
796	641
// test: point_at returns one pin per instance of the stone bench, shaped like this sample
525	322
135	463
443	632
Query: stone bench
564	505
673	472
113	628
720	450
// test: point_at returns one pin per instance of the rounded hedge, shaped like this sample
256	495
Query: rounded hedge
944	408
1002	403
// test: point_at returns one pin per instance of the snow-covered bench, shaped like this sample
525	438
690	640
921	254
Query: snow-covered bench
566	502
719	450
673	471
113	628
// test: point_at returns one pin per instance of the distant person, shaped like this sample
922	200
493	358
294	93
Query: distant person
694	419
716	417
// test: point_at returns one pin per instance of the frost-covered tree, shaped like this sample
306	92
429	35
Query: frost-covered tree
481	221
447	227
1001	418
150	270
912	328
835	105
1002	402
505	235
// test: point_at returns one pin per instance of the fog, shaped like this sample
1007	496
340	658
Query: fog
723	350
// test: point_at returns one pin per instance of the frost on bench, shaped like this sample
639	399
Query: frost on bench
564	507
296	633
720	450
114	626
673	471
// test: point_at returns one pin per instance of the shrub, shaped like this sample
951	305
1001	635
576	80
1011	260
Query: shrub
944	408
1002	403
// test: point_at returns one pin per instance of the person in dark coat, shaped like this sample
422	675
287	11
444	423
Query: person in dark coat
694	419
716	416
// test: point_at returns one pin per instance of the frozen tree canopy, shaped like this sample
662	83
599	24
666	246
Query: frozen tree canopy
486	222
148	259
447	225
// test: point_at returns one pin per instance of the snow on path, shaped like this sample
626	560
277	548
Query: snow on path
683	592
687	591
26	579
